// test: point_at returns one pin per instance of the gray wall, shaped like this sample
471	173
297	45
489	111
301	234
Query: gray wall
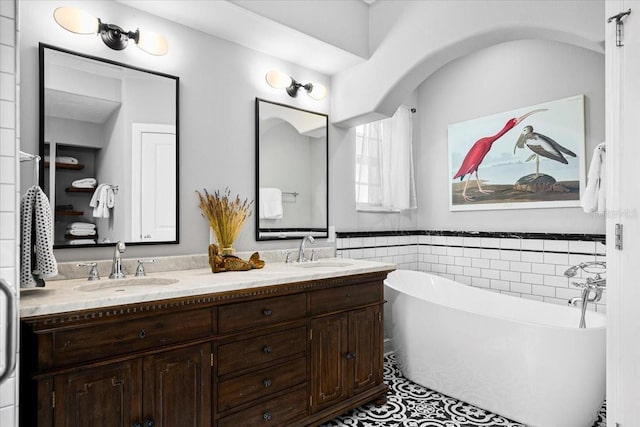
219	81
497	79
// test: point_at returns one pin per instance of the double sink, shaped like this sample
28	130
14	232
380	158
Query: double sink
135	284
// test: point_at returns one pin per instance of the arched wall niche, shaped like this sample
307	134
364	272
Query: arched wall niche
428	35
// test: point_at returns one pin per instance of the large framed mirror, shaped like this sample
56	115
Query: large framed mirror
109	137
292	172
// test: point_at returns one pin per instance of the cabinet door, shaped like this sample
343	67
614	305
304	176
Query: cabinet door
329	345
365	346
106	396
177	388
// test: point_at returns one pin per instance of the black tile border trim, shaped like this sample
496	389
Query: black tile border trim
488	234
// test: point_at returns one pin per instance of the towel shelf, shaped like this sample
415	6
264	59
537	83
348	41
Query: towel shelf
79	190
68	166
69	213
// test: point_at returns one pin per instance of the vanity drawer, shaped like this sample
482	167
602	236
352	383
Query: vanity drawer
244	315
260	384
244	354
344	297
276	412
99	341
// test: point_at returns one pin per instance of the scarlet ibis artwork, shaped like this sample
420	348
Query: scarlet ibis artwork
482	149
479	150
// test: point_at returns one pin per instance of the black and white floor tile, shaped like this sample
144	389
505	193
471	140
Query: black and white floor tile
411	405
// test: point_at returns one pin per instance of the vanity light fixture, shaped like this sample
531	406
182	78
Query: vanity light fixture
80	22
280	80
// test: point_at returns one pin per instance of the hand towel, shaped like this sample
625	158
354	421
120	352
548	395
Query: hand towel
84	183
103	199
270	203
594	197
37	260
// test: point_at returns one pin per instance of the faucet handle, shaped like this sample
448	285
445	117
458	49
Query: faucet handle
314	255
287	256
93	272
140	269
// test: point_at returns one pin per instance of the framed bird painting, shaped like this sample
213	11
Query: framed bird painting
531	157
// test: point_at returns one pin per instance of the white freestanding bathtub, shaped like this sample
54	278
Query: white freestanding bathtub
523	359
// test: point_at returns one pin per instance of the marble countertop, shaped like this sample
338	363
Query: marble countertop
61	296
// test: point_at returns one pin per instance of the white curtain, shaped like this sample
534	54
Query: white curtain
385	164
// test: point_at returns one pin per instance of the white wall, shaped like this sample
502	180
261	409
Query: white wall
9	187
412	39
497	79
219	81
341	23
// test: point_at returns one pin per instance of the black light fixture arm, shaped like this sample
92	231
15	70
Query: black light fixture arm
115	37
292	89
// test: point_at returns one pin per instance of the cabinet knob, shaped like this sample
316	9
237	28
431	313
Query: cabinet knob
267	382
266	349
267	416
137	425
267	312
149	423
351	355
142	333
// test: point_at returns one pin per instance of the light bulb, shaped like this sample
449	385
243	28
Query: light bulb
278	79
153	43
318	91
76	20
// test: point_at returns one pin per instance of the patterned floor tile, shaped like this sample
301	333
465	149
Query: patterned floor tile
411	405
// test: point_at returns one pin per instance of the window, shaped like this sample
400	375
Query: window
384	164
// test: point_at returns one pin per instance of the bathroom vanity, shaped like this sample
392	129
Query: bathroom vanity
283	346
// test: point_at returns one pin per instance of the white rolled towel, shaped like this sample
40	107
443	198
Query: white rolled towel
79	232
81	226
82	242
67	160
84	183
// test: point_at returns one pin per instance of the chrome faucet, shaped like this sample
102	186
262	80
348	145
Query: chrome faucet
116	267
594	284
301	257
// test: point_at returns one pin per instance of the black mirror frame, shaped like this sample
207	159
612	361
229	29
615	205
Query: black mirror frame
41	51
288	233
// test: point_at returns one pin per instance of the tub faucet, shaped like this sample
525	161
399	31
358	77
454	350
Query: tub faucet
593	285
116	266
301	257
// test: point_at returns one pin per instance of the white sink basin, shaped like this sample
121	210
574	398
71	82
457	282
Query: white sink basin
325	264
122	285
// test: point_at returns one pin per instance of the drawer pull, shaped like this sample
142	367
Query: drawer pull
267	382
266	349
137	425
267	312
351	355
142	334
267	416
348	296
149	423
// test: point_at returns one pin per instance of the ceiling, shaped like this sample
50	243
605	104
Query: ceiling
229	21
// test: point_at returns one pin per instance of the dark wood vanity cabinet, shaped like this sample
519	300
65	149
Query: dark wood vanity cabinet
287	355
166	389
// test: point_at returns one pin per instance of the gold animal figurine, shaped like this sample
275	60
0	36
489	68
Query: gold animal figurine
220	263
